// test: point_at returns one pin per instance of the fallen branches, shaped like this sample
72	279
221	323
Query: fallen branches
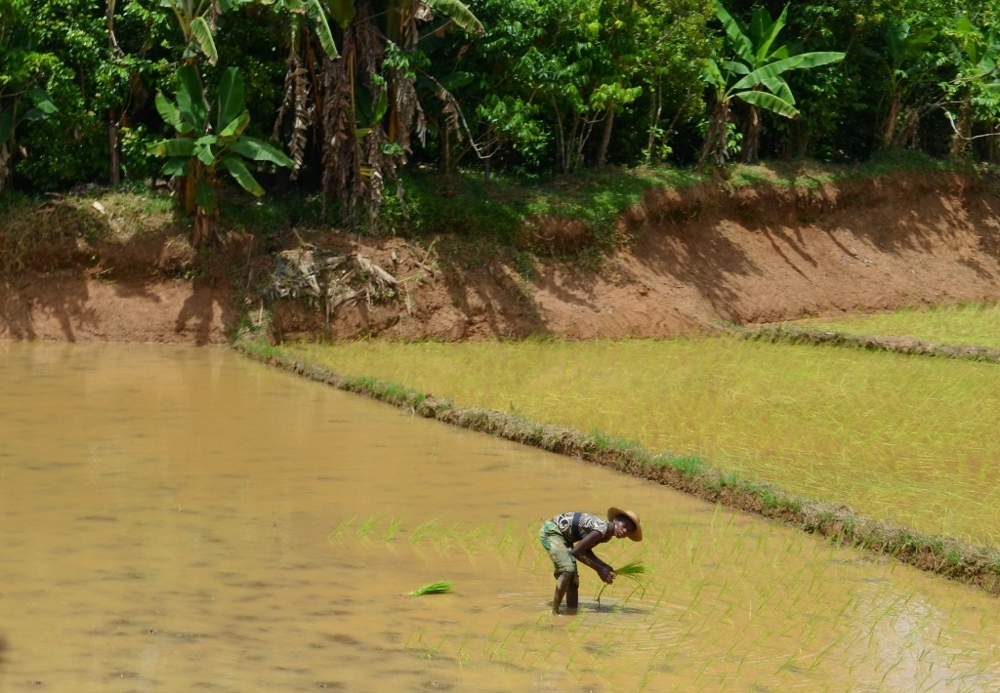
329	278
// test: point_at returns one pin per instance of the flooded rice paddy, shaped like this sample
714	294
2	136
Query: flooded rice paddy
908	439
181	519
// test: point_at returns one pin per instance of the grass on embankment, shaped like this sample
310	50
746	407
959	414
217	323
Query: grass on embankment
973	324
501	212
482	219
945	556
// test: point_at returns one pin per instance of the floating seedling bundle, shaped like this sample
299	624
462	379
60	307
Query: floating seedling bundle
439	587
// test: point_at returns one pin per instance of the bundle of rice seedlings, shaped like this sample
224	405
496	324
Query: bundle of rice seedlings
633	571
439	587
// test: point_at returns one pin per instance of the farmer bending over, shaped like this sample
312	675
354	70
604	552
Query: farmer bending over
572	536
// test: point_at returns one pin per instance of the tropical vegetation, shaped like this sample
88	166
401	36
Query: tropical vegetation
340	97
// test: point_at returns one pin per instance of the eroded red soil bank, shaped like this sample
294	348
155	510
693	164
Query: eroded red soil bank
693	258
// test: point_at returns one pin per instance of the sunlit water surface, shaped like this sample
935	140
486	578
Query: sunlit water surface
182	519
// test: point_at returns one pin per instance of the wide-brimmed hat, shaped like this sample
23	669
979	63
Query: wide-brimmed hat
614	512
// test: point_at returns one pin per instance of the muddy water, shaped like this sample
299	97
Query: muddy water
184	519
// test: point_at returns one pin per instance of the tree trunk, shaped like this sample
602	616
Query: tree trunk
963	131
568	165
114	152
602	149
115	165
202	233
5	172
715	138
751	138
655	109
887	133
581	133
560	142
801	139
906	135
446	150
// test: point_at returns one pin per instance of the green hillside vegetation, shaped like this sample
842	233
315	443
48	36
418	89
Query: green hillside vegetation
356	105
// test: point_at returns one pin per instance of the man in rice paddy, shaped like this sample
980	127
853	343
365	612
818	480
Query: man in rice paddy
572	536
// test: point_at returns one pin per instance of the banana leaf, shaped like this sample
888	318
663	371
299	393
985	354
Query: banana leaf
230	98
340	9
190	100
242	174
796	62
741	42
179	146
203	35
768	31
459	13
769	102
259	150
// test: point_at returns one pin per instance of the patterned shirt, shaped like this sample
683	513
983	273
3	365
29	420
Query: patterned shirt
586	524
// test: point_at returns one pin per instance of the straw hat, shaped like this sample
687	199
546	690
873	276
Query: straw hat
614	512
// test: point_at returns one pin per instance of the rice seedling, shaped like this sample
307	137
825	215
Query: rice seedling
423	530
392	529
439	587
366	527
634	572
341	530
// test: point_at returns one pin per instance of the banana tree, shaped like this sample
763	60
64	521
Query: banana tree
363	148
911	83
12	113
973	95
203	145
195	19
754	76
308	23
22	70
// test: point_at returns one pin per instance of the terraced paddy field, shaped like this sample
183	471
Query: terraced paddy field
902	438
186	519
969	324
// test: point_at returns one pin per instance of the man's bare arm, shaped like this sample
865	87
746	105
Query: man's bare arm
584	552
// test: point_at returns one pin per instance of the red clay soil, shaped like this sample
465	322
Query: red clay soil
696	257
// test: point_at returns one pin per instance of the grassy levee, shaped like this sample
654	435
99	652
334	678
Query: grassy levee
946	556
793	334
901	438
955	325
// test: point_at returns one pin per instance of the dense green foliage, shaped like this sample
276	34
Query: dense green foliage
356	90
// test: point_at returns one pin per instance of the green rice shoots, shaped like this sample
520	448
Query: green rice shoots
633	571
439	587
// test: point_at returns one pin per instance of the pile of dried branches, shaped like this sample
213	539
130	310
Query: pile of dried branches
330	279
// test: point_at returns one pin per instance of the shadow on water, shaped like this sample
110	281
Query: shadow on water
610	609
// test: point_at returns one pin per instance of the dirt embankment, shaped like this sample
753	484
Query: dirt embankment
689	259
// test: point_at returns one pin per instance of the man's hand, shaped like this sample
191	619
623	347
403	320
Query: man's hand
607	575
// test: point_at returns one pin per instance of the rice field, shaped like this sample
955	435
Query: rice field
726	603
966	323
313	539
907	439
